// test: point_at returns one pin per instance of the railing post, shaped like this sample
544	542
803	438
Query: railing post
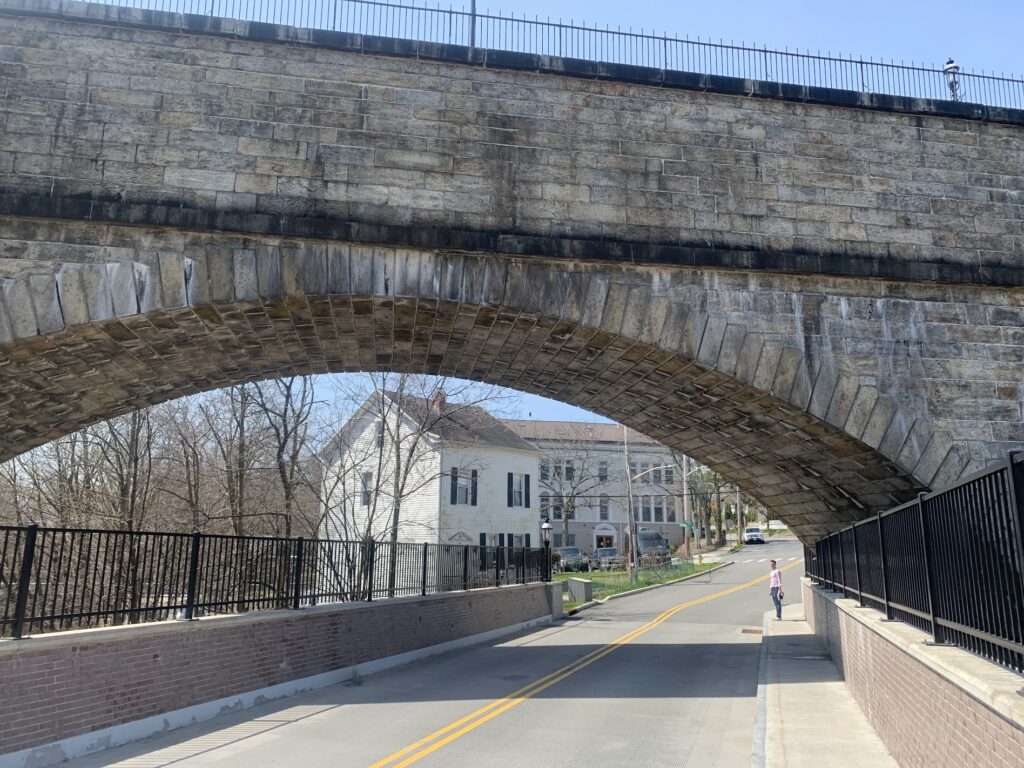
423	588
193	576
1016	488
842	562
497	566
24	579
465	567
297	595
856	563
472	27
371	555
885	569
937	633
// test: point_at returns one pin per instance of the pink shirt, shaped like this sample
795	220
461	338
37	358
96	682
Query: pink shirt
776	578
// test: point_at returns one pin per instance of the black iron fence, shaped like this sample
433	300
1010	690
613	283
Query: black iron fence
612	46
950	563
54	579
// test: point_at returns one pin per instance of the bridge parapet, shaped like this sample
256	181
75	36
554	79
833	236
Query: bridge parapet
114	114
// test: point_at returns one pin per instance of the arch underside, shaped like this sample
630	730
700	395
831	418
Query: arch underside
806	471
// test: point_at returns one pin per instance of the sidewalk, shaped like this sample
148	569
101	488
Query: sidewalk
807	715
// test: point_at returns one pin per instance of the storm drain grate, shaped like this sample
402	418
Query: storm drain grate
752	631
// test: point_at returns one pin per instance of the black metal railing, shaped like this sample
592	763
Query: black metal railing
54	579
950	563
612	46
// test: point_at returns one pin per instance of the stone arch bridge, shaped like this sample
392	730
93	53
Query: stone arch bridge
822	302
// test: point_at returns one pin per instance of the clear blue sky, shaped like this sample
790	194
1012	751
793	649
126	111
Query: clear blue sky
983	35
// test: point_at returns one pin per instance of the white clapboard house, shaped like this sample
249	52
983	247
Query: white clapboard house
456	475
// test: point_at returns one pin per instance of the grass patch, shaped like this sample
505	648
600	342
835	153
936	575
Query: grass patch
608	583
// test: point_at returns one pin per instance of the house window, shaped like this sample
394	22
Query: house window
669	475
645	502
463	487
659	509
632	469
656	476
545	505
378	434
602	509
636	507
570	540
602	471
517	490
366	483
670	509
556	471
645	472
556	507
545	471
570	470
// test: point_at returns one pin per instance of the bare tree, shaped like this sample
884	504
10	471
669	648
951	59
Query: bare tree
286	405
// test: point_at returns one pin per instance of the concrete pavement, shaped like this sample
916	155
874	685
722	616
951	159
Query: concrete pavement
669	676
811	717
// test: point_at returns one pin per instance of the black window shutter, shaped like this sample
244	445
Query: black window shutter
483	539
501	539
526	540
510	489
472	487
526	491
455	485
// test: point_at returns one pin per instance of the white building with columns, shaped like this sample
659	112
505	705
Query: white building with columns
584	483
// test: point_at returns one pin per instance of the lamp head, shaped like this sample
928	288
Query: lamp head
545	531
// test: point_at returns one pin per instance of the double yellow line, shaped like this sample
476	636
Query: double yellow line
433	742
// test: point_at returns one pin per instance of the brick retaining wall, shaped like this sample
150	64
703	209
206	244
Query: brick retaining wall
931	706
57	686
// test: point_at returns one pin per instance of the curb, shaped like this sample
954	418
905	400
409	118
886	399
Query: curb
603	600
759	747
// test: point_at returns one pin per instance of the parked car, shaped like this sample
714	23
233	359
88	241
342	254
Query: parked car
753	535
652	546
571	559
607	559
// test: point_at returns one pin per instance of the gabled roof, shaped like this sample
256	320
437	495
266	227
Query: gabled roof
460	423
574	432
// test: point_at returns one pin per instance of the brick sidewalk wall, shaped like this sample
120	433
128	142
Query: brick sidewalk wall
56	686
924	717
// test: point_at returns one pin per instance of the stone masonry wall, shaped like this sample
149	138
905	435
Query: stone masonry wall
56	686
253	134
959	710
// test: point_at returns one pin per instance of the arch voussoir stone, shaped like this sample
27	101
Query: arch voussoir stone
789	415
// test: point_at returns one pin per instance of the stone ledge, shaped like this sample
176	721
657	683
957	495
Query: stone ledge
986	682
544	64
508	243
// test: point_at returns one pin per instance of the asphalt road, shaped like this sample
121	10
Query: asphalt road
666	677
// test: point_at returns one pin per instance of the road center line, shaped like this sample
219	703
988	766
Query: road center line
439	738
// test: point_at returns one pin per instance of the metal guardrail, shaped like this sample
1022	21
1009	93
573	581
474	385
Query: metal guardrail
950	563
54	579
612	46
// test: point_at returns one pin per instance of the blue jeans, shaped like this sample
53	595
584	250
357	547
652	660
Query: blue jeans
778	603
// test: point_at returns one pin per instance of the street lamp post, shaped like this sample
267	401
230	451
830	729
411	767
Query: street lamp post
545	536
952	72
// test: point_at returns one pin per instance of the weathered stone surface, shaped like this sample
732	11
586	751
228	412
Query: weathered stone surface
441	154
810	305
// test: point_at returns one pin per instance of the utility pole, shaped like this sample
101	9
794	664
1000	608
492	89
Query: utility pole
633	553
687	518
